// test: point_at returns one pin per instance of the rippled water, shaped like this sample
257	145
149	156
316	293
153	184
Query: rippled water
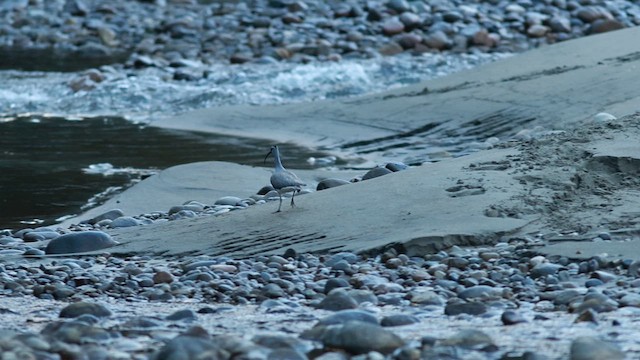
56	165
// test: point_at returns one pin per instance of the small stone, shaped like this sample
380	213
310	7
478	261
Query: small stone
426	297
124	221
338	299
162	277
510	317
438	40
544	269
190	347
587	315
330	183
109	215
344	316
186	314
560	24
591	348
471	308
480	292
228	200
351	258
80	242
376	172
335	283
272	291
83	308
398	320
392	27
605	25
469	339
537	31
390	49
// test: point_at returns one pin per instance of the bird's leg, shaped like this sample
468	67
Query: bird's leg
292	196
279	206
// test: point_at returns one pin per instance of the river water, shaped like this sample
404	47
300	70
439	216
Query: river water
62	152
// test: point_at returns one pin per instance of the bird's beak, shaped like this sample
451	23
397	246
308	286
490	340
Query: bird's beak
269	153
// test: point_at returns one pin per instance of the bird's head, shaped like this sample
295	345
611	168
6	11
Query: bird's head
274	148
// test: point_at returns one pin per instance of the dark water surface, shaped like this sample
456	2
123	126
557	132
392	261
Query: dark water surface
42	161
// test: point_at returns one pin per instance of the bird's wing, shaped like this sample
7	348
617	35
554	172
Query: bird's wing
282	179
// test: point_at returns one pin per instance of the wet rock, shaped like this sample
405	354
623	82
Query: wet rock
228	200
335	283
588	315
109	215
398	320
396	166
355	337
510	317
590	14
544	269
80	242
537	31
426	297
375	172
83	308
471	308
190	347
438	40
480	292
330	183
591	348
162	277
605	25
344	316
351	258
124	221
392	27
560	24
186	314
469	339
338	299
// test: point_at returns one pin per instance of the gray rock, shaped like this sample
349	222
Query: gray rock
83	308
363	296
398	320
344	316
469	339
591	348
109	215
39	236
375	172
560	24
80	242
186	314
480	292
396	166
186	347
330	183
511	317
471	308
438	40
338	299
355	337
392	27
228	200
334	283
124	221
426	297
272	291
544	269
351	258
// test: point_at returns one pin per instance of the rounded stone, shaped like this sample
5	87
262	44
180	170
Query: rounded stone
355	337
591	348
228	200
338	299
471	308
511	317
343	316
335	283
109	215
376	172
124	221
186	314
84	308
80	242
398	320
330	183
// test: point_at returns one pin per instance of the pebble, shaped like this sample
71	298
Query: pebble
124	221
338	299
471	308
330	183
376	172
398	320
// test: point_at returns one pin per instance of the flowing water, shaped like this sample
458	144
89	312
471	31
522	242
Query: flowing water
62	152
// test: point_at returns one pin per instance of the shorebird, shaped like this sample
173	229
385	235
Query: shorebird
283	180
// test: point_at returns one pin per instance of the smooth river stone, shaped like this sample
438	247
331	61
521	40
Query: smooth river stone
80	242
331	183
375	172
109	215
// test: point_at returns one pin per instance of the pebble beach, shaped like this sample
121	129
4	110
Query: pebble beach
504	300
